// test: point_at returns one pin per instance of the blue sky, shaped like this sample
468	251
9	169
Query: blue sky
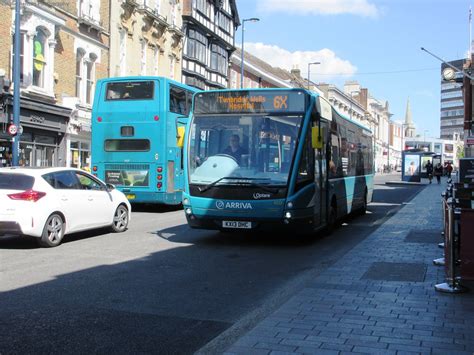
376	42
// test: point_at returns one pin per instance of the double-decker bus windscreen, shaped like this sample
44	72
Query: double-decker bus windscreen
242	147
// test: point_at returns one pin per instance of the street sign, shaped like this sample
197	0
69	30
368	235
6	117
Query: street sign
12	130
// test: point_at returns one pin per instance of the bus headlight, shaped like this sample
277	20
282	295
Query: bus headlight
186	201
289	205
188	211
288	215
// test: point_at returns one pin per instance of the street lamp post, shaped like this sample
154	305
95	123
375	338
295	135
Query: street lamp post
309	76
253	19
16	85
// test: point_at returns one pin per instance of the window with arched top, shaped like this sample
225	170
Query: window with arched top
90	77
79	70
39	57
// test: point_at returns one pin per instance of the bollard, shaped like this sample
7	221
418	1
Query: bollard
452	284
444	207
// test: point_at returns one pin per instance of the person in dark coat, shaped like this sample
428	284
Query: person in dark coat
438	171
429	170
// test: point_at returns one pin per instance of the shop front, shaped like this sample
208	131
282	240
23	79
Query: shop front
43	129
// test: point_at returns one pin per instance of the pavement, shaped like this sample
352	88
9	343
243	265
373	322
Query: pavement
379	298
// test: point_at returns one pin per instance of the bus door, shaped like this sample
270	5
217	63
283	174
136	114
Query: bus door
179	108
320	174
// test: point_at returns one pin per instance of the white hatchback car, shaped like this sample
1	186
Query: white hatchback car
48	203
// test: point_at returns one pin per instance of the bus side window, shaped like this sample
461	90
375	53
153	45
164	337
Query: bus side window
180	100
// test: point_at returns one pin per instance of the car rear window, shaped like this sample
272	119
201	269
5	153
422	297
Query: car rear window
16	181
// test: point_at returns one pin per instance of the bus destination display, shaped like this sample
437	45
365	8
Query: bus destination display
250	102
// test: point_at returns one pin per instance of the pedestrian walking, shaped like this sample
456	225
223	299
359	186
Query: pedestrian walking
449	170
438	171
429	170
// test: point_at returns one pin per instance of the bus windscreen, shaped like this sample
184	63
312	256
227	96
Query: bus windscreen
276	102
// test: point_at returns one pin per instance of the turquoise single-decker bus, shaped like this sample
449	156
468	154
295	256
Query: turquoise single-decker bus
273	159
138	128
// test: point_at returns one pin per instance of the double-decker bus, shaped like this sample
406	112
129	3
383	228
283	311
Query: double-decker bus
138	128
270	158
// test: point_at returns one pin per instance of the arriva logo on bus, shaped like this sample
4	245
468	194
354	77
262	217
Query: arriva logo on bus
238	205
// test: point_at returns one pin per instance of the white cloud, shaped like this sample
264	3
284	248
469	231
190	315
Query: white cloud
320	7
282	58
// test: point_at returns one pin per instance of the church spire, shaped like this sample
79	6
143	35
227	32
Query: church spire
409	126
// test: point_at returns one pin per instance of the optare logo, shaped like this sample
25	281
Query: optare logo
258	195
234	205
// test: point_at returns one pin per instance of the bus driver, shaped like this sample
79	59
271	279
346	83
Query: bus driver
234	148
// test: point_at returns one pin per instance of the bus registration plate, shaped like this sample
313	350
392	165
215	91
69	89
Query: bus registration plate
237	224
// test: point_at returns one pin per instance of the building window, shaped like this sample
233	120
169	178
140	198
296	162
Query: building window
79	72
203	7
157	6
197	46
39	57
89	9
172	66
143	57
224	22
123	52
90	81
85	76
219	59
156	57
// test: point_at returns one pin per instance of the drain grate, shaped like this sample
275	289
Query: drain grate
384	271
423	236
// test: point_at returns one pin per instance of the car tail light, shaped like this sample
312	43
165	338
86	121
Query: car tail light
28	195
94	168
160	177
159	169
159	185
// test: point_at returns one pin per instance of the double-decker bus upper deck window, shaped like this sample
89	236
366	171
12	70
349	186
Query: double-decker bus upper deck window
129	90
127	145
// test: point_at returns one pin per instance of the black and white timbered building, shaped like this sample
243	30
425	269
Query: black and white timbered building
209	27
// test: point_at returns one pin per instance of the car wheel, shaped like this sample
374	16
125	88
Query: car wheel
53	231
120	222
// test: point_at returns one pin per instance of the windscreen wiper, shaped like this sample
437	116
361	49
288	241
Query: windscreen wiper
244	181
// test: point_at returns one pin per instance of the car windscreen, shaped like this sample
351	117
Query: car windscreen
16	181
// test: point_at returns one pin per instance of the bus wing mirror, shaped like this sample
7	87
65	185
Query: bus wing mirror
316	138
